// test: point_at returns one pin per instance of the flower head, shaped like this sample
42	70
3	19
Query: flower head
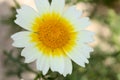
53	36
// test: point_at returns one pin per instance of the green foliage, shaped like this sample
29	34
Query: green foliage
114	22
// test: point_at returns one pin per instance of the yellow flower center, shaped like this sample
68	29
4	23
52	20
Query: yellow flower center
52	31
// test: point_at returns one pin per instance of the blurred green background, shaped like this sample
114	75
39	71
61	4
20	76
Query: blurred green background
104	63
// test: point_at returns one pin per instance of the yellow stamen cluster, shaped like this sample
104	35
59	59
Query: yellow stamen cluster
52	31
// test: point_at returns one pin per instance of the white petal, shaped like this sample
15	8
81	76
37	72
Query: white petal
57	63
78	54
72	13
74	16
81	23
25	17
67	67
21	39
85	36
43	64
30	53
42	6
86	51
57	6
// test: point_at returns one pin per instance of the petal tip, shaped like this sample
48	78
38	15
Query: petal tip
83	65
26	61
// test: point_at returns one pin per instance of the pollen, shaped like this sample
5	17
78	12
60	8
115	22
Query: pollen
52	31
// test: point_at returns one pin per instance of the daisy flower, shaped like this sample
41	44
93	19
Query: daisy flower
53	37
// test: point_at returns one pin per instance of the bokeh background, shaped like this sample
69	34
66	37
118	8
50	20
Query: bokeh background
104	62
